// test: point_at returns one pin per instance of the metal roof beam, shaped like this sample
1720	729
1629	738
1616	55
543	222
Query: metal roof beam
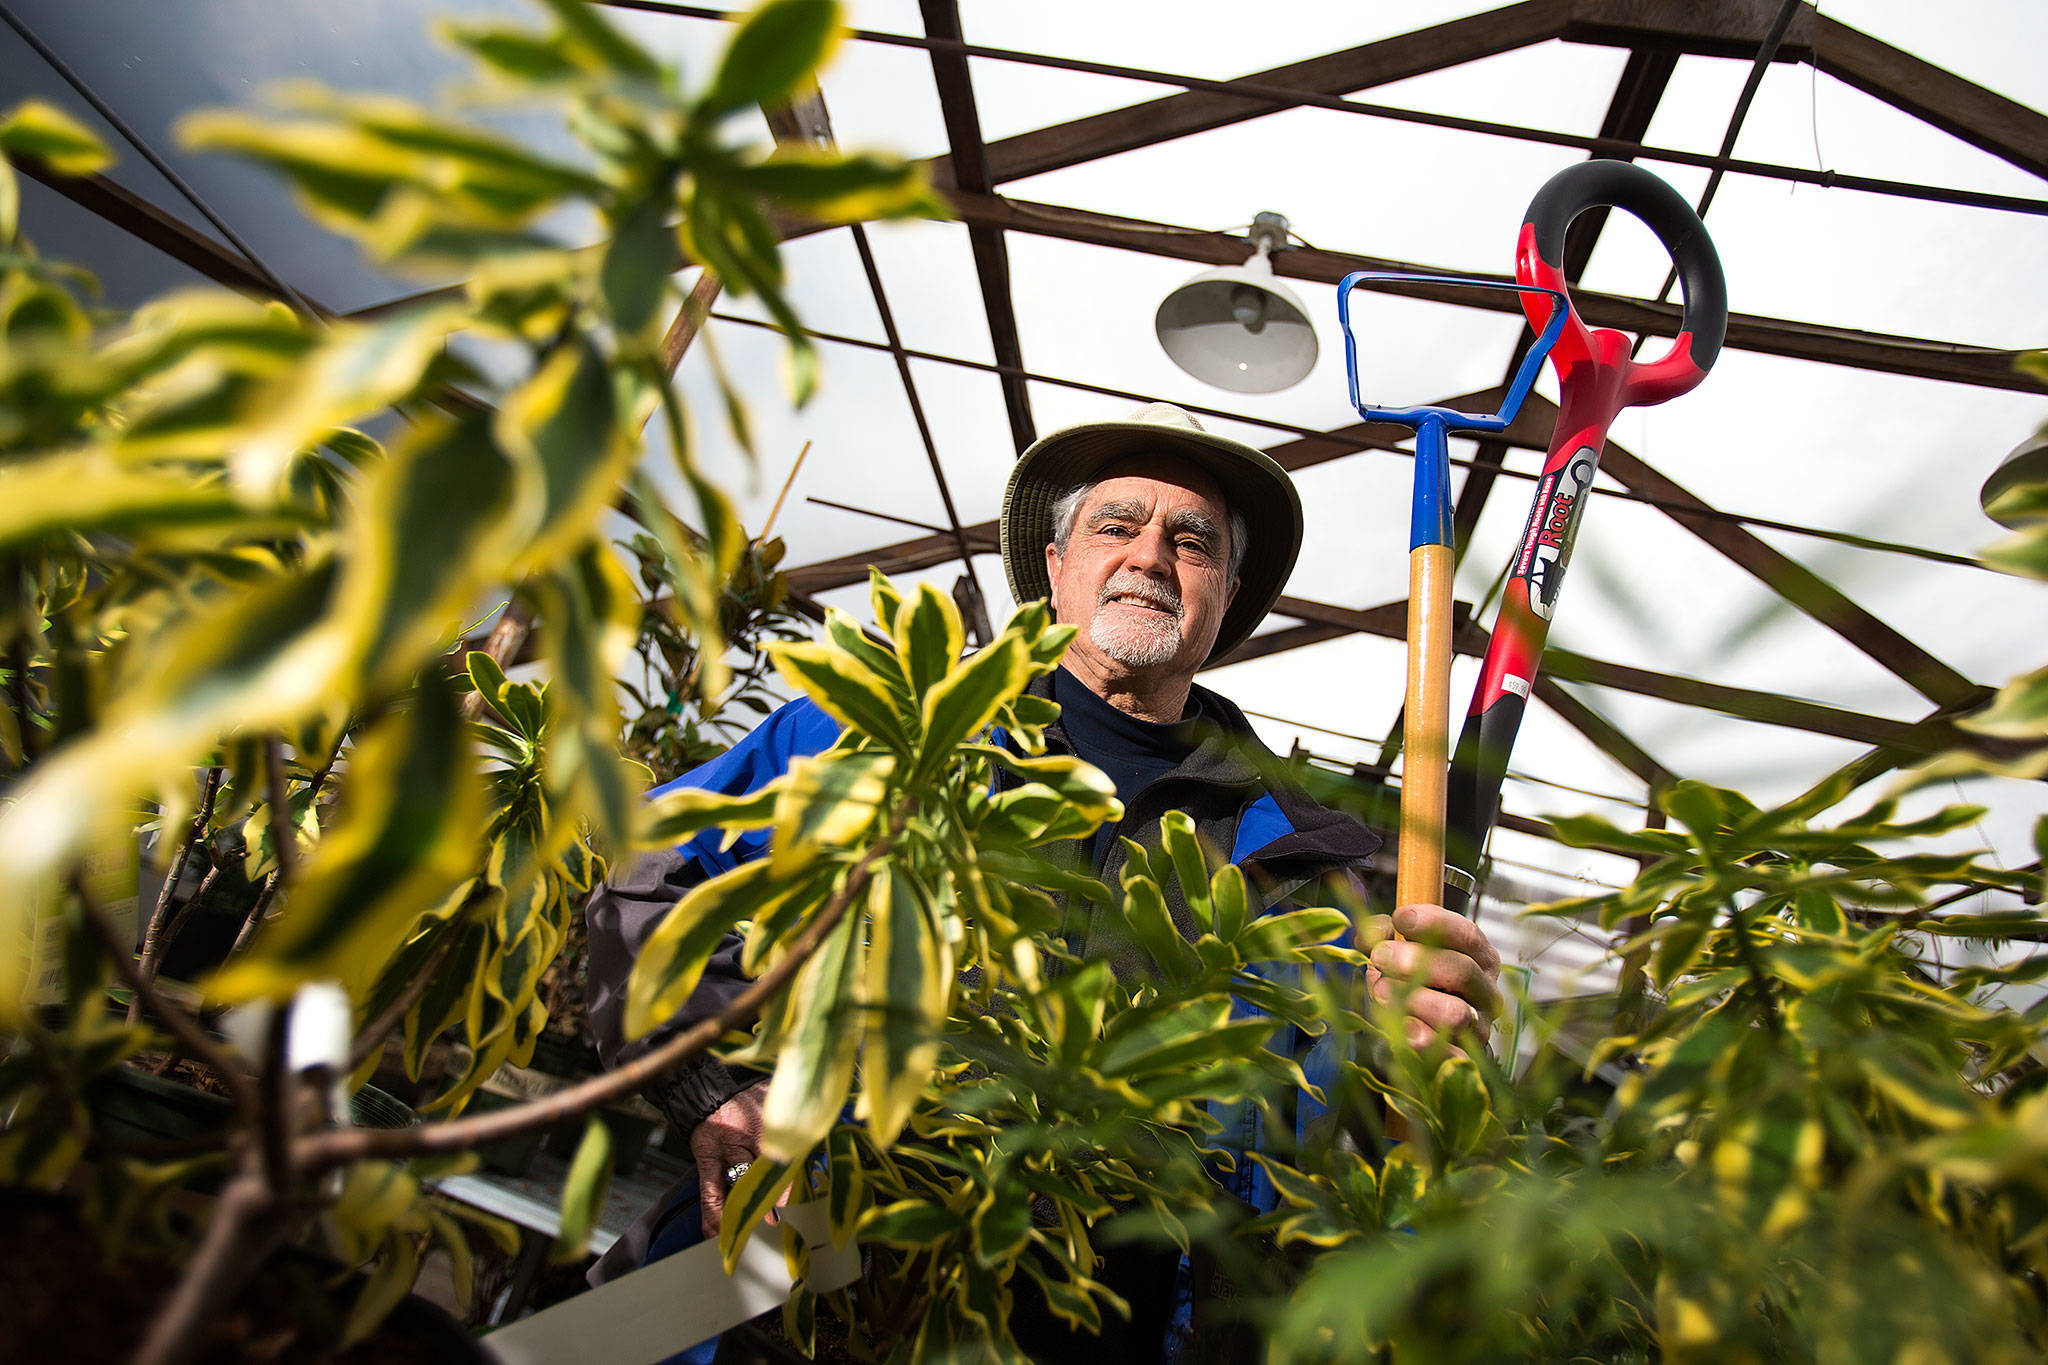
1323	621
967	166
1793	581
1644	79
1954	362
1338	73
2005	128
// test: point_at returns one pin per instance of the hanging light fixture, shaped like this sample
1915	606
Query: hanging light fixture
1238	328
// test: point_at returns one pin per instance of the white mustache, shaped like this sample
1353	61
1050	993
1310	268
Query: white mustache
1159	595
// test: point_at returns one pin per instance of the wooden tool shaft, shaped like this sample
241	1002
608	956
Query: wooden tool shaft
1419	877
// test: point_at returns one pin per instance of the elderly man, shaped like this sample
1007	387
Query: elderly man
1165	545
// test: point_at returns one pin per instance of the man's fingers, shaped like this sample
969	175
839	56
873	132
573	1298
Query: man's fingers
1439	969
710	1194
1432	1014
1439	928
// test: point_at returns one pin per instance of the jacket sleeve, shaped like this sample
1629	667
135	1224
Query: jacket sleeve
623	913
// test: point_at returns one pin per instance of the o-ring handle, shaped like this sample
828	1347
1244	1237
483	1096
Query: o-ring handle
1624	185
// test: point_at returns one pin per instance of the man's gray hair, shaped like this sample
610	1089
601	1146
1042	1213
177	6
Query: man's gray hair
1066	509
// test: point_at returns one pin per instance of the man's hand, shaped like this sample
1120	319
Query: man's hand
1453	970
730	1137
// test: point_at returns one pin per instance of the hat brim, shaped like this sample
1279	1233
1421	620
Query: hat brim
1252	482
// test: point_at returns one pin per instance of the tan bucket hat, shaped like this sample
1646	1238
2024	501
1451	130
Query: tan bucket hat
1253	485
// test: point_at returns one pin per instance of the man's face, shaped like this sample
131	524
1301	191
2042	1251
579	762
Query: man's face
1145	576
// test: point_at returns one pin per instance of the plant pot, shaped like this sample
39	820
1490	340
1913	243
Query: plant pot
370	1107
131	1105
512	1155
555	1054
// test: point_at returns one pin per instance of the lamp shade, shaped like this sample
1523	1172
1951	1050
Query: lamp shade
1239	329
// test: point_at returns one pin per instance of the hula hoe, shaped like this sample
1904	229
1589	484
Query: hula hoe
1448	806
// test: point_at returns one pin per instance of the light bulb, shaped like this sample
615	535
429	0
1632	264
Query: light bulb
1248	306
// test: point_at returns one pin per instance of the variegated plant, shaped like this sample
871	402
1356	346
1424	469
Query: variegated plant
976	1079
227	611
1831	1141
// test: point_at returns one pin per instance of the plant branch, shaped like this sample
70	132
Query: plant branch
182	1026
257	914
1768	1007
371	1039
152	967
282	836
336	1147
280	1096
245	1228
156	938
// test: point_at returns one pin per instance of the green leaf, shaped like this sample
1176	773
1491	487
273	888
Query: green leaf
583	1191
590	605
814	1069
968	700
637	263
775	50
66	146
848	1192
845	688
749	1201
827	801
81	494
520	57
1190	867
1146	916
1275	938
411	807
1137	1034
605	50
430	532
2025	554
928	638
673	958
846	633
485	677
911	1224
564	425
1228	901
444	1002
833	188
909	980
884	599
1177	1052
1464	1113
1590	831
1069	1303
674	816
1001	1224
390	1281
2019	711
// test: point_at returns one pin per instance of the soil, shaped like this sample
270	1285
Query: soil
65	1300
